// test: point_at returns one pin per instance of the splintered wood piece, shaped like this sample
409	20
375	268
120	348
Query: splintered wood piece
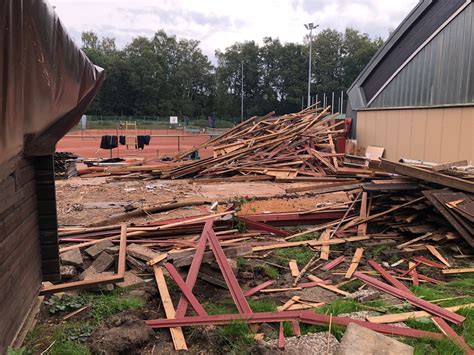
176	333
354	263
424	236
294	268
414	274
288	304
312	243
362	228
328	287
401	317
157	259
325	248
432	249
458	271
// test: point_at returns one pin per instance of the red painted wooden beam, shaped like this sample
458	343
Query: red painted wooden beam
264	227
186	291
194	269
229	277
428	262
451	334
332	264
281	337
386	275
257	288
425	305
276	317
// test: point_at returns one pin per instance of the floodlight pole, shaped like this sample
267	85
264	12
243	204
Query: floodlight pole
310	26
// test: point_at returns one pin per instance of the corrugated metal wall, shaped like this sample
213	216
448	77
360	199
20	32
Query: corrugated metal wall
442	73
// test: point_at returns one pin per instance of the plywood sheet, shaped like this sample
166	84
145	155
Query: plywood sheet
450	135
418	134
404	134
434	127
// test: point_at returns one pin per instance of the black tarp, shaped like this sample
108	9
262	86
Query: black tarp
46	81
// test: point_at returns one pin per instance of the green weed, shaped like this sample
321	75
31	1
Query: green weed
268	270
235	338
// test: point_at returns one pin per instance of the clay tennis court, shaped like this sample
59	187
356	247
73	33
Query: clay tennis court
86	143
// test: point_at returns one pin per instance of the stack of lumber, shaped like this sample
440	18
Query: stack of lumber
300	144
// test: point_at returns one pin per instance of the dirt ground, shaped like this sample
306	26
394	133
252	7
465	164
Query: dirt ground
85	201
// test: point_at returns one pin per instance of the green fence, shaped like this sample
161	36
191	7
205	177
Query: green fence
150	122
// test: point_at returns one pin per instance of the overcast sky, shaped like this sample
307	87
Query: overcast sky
217	24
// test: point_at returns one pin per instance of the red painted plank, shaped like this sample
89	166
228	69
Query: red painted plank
258	288
295	327
332	264
194	269
451	334
281	337
229	277
410	269
264	227
186	291
386	275
425	305
273	317
428	262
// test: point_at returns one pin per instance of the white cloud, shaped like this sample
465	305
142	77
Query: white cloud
218	24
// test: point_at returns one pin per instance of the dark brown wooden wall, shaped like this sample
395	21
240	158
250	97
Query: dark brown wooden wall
20	255
28	238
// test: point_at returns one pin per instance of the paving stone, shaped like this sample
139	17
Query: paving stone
136	264
131	280
72	257
91	273
141	252
95	250
103	262
358	340
309	344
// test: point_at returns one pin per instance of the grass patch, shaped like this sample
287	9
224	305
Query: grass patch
69	337
376	251
434	347
263	305
268	270
339	306
235	338
301	254
105	305
241	262
223	307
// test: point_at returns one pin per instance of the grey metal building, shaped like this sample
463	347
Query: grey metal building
416	95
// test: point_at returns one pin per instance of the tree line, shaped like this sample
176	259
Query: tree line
164	75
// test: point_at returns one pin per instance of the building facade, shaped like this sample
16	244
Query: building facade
416	96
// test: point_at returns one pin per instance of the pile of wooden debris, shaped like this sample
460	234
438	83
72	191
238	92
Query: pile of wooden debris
413	210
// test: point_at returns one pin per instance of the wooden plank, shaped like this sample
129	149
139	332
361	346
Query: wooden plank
447	166
328	287
312	243
288	304
294	268
458	271
362	228
323	189
354	263
432	249
176	333
451	334
325	248
419	173
401	317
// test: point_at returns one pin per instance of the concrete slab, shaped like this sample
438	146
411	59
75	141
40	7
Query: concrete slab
358	340
72	257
